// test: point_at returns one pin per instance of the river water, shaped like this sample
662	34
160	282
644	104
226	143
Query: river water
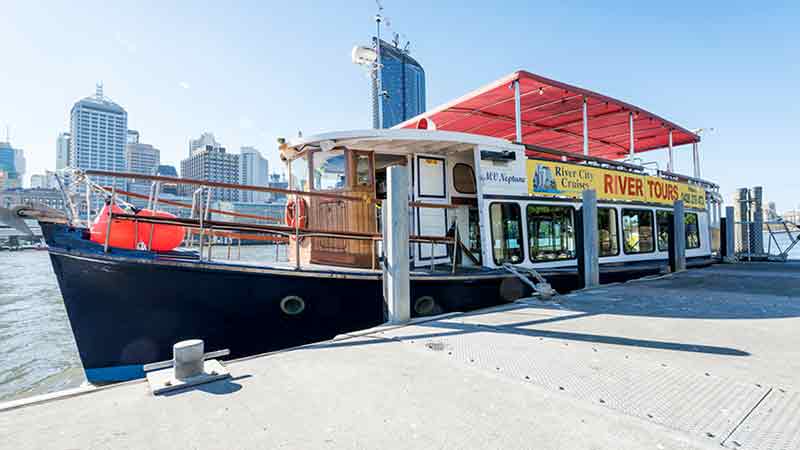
37	350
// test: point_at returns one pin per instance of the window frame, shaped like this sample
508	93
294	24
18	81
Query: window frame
521	231
658	229
653	226
571	209
616	235
686	232
312	169
474	180
686	229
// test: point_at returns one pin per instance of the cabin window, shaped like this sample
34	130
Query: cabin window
299	174
475	234
637	231
464	179
551	235
329	170
692	230
608	234
363	170
663	218
506	224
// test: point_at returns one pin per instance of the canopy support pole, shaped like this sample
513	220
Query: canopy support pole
585	127
631	148
517	113
696	159
671	162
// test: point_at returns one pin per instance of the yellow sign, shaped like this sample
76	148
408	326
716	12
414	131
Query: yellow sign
555	179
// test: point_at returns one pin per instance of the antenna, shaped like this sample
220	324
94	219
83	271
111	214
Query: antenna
8	134
98	89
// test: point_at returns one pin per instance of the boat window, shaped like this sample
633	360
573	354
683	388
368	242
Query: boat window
363	170
637	231
551	235
506	224
299	178
475	234
464	179
692	230
608	232
663	218
329	170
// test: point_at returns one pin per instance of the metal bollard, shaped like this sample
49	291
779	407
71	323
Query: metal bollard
188	357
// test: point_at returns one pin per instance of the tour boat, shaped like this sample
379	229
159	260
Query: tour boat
495	181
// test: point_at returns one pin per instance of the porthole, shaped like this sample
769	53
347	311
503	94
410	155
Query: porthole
293	305
425	305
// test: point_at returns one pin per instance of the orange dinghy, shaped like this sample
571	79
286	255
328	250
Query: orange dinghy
127	234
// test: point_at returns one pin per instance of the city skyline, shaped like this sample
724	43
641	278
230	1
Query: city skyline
731	69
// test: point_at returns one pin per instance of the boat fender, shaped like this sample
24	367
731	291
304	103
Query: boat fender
291	214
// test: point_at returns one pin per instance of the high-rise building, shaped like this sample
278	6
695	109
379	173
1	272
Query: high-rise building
206	139
12	164
278	181
62	150
253	171
132	137
44	181
142	158
168	171
213	163
403	82
99	131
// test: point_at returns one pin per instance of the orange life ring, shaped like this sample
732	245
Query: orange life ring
289	212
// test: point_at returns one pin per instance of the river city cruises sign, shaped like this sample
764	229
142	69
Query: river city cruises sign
555	179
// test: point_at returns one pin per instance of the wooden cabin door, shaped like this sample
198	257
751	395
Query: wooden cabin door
354	175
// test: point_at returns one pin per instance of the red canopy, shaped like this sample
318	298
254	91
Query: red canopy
552	117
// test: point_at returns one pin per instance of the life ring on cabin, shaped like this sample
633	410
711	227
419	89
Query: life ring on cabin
291	215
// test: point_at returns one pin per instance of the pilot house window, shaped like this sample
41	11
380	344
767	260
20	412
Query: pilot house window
329	170
363	170
463	179
551	234
637	231
506	225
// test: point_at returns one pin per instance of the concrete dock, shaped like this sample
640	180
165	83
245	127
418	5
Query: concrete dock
699	359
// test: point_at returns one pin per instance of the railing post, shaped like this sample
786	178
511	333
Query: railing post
588	243
455	244
297	200
395	243
110	215
677	239
729	244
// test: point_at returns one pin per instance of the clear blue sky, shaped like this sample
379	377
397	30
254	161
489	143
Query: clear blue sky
259	70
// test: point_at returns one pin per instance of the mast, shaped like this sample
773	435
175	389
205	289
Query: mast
378	65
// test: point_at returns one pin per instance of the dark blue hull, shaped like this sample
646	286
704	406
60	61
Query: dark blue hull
127	308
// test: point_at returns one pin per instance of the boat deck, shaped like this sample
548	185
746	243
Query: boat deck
701	359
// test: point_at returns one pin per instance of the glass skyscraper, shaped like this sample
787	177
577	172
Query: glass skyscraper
12	166
403	81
